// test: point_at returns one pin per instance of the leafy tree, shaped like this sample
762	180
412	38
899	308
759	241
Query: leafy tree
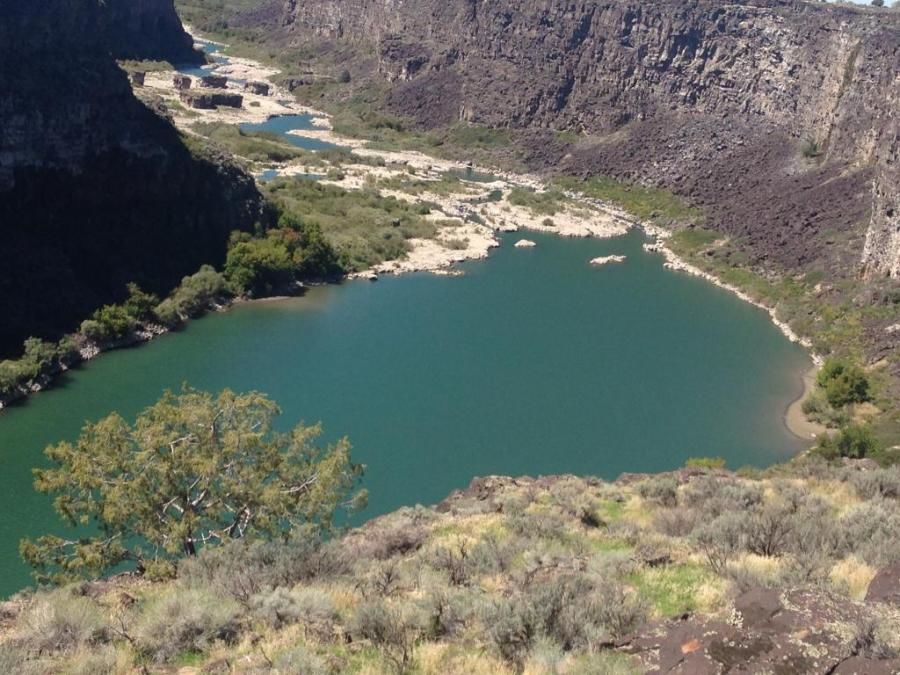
844	383
194	470
854	441
140	305
258	266
110	322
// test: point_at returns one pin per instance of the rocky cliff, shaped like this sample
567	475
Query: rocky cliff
712	100
96	189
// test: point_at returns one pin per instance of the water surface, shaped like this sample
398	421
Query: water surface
533	363
282	124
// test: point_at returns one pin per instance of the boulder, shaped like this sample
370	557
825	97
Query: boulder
525	243
181	82
208	100
885	587
137	78
214	81
606	260
258	88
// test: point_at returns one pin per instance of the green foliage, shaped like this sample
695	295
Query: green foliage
547	203
645	203
257	146
140	305
853	441
843	382
810	148
39	358
258	266
110	322
194	295
363	227
193	470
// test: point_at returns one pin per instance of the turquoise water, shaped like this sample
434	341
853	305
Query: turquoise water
284	123
533	363
211	50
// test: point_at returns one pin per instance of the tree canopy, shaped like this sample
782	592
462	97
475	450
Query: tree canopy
193	470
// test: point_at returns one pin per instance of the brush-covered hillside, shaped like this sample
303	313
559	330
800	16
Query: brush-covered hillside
792	570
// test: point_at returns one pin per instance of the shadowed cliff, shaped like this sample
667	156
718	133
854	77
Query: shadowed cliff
97	190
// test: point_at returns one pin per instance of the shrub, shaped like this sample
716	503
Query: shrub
194	295
301	661
242	570
61	622
15	660
768	531
853	441
393	631
877	483
720	539
512	627
843	383
110	322
258	266
185	620
309	606
660	489
678	522
139	305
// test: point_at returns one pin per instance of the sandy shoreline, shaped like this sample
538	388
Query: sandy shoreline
795	419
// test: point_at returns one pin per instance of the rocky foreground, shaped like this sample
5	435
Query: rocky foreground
793	570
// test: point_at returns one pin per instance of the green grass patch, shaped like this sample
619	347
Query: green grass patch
547	203
671	591
645	203
364	227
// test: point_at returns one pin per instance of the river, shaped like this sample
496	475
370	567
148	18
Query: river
534	362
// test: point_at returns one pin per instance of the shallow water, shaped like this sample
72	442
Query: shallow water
284	123
533	363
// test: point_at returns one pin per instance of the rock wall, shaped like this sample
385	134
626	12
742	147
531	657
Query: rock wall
97	189
771	69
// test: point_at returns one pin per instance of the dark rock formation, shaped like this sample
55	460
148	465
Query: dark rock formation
182	82
214	81
258	88
207	100
96	189
710	100
885	587
796	633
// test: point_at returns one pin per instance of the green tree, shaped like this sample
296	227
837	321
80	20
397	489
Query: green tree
140	305
258	266
193	470
853	441
844	383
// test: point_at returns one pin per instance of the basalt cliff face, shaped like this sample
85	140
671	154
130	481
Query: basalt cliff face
96	189
709	99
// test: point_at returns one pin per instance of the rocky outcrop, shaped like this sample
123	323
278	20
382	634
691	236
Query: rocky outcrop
711	100
208	99
97	189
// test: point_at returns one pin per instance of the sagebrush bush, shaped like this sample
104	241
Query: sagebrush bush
392	630
60	621
242	569
870	532
309	606
301	661
660	489
877	483
185	620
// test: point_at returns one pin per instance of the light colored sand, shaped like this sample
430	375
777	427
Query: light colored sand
794	418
